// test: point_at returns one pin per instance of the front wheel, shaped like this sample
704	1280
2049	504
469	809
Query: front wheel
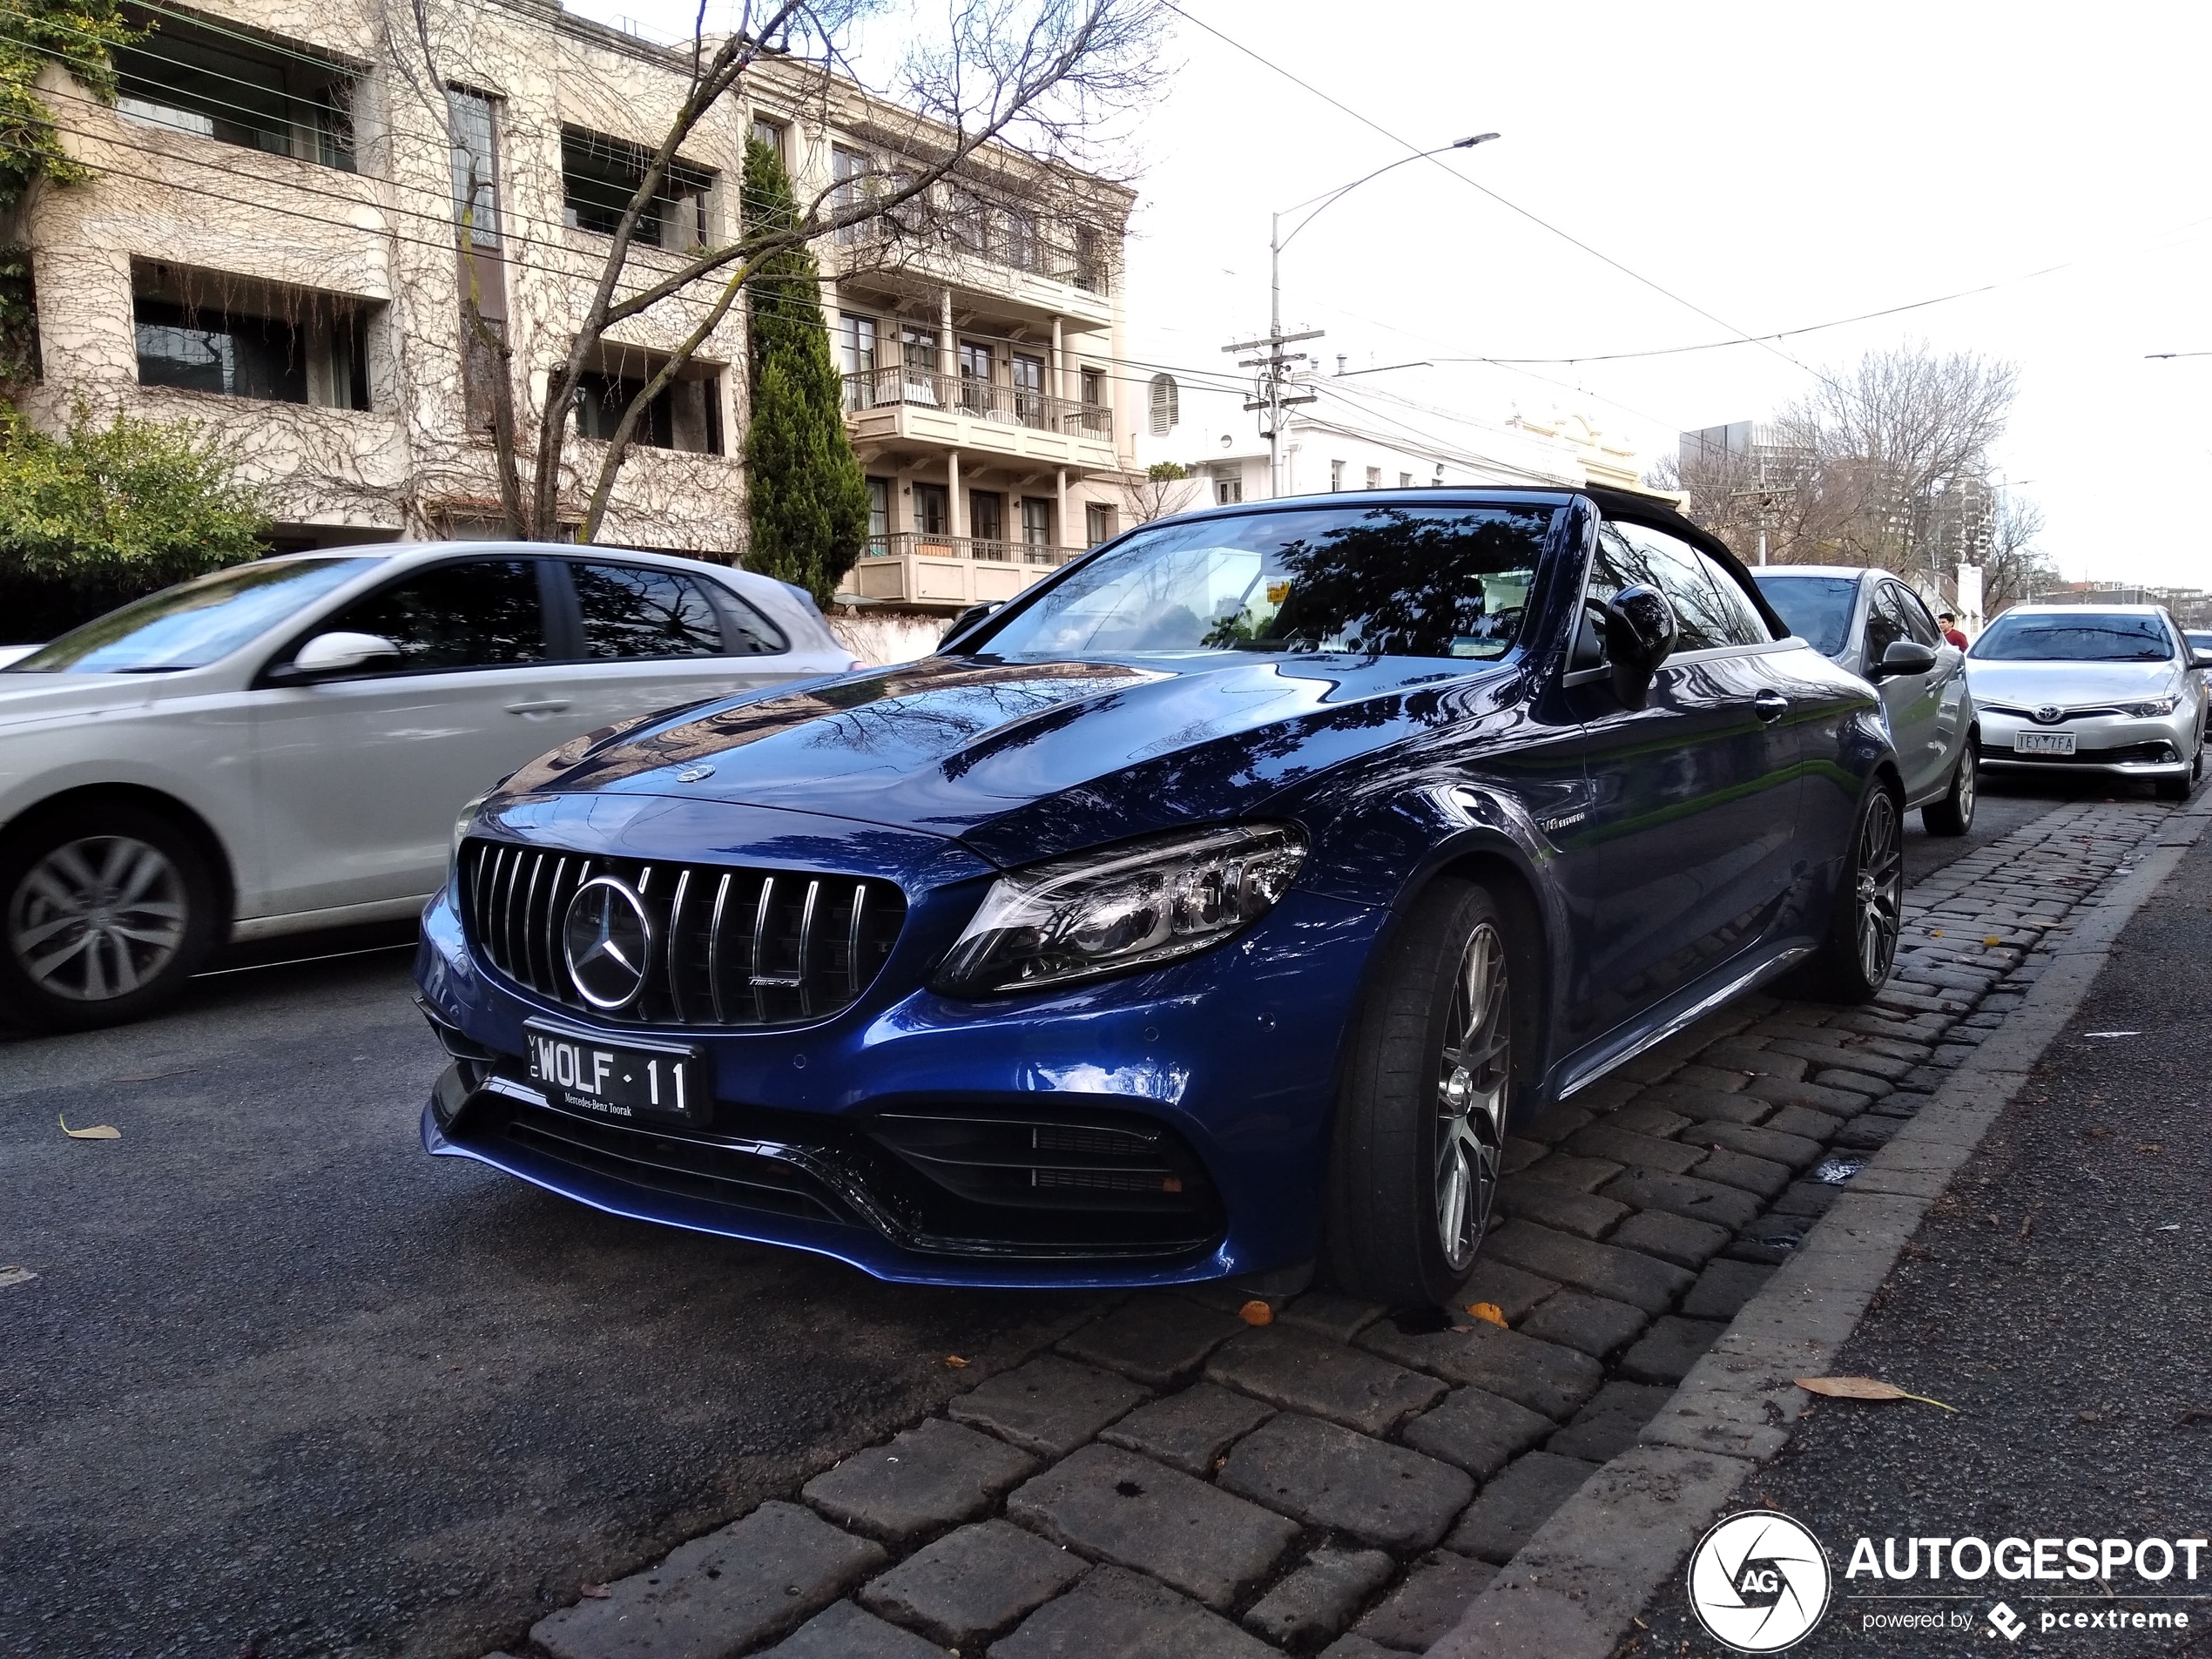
1854	962
1954	813
1421	1124
108	912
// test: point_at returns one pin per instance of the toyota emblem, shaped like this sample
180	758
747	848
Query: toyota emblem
608	939
2048	714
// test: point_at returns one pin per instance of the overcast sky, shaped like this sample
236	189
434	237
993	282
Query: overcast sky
1775	166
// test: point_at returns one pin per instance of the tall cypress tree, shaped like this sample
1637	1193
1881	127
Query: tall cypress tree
805	496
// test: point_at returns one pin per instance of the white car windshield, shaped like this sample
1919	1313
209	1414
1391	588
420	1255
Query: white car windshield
1383	581
2063	638
194	623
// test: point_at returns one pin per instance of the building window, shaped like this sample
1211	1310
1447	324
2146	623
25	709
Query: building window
967	222
1024	248
1227	492
856	344
849	170
1028	388
1336	475
1093	388
771	132
1374	477
932	509
1167	404
918	347
987	514
1405	481
1090	263
1037	521
879	513
685	414
217	82
476	200
1098	523
315	352
599	175
974	377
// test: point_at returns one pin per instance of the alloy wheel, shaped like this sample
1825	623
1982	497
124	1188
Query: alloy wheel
1472	1074
97	917
1881	888
1966	785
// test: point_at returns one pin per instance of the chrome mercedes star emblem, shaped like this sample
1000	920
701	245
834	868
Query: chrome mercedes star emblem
608	939
2047	715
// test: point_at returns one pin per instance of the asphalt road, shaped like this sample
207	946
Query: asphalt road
283	1384
2060	1296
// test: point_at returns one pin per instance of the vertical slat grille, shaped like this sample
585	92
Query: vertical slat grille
729	947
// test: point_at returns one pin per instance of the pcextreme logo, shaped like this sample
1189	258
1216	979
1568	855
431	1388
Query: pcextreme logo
1758	1581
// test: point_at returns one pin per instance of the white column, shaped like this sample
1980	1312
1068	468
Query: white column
955	503
1060	510
1059	365
945	365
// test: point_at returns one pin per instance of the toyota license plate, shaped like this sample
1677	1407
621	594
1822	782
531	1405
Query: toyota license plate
614	1080
2043	743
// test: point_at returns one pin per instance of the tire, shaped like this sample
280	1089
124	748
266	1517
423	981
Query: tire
1853	960
104	913
2172	788
1954	813
1414	1163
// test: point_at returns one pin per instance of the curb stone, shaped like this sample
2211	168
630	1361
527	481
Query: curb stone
1574	1590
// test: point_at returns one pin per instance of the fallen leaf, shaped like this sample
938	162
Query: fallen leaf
1489	1310
97	1132
2152	1146
597	1592
1255	1312
955	1362
1935	932
1993	939
2028	1223
12	1276
1862	1388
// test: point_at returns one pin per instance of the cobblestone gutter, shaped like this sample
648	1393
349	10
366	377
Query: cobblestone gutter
1348	1479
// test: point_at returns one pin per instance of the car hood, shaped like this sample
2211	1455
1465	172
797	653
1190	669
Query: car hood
2071	685
1024	759
40	697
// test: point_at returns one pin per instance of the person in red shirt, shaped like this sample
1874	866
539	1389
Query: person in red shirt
1950	629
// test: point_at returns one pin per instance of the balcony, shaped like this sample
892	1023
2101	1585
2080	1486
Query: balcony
894	403
1038	274
918	568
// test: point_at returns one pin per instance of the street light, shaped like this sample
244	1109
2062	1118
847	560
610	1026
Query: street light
1274	363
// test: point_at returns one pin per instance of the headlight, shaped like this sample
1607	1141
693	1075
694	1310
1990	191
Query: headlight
1136	904
2150	710
460	829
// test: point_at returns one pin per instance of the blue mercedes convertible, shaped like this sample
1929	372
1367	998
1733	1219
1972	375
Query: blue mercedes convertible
1215	906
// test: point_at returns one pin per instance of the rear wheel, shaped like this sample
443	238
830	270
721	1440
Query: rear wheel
1420	1125
1954	813
109	910
1853	960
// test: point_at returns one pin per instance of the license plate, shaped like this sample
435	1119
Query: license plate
616	1080
2043	743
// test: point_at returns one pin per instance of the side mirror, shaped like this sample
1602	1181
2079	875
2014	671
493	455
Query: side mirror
965	620
327	656
2199	656
1904	657
1639	633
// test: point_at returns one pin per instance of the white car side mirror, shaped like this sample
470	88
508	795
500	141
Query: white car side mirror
340	653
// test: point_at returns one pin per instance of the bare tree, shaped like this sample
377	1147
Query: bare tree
2015	570
1161	490
1012	106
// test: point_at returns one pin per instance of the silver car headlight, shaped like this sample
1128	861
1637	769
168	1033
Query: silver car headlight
1136	904
461	826
2157	707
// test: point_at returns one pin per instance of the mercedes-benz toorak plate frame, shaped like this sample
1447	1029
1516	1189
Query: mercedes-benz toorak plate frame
584	1073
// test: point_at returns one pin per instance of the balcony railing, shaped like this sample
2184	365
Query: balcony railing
928	545
876	388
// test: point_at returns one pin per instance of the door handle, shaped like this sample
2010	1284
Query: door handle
1769	705
543	705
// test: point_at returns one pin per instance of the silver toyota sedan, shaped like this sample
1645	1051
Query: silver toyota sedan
1871	624
2109	689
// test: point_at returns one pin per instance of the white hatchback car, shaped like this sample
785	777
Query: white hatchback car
284	745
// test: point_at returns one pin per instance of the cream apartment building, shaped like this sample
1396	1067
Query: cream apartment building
268	249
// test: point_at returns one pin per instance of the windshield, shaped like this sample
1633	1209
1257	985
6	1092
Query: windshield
1380	581
193	624
1818	608
2060	638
